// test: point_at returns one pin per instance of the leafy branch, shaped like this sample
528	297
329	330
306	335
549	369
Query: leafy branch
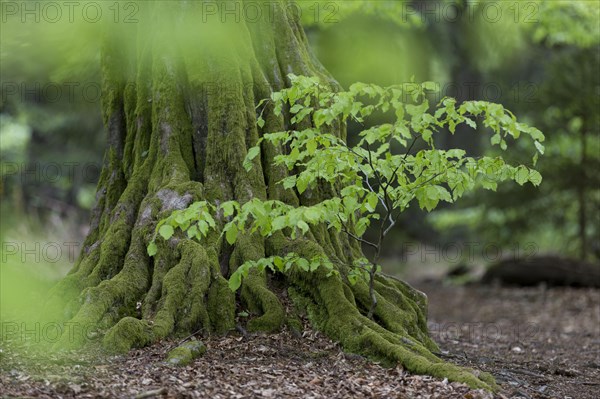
375	180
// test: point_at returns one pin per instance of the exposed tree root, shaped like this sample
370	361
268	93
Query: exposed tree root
398	333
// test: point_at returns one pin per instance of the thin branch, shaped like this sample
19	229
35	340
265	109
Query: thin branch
373	191
392	224
410	147
345	230
386	205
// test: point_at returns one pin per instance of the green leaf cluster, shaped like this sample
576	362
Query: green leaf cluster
376	179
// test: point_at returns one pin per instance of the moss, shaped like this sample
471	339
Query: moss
194	314
395	338
349	294
126	334
258	298
186	353
221	306
255	294
294	323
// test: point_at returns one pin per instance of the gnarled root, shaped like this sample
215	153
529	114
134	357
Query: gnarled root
398	331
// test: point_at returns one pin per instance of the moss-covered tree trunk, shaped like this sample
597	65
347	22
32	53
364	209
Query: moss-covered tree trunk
180	91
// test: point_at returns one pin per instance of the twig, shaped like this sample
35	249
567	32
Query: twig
345	230
186	338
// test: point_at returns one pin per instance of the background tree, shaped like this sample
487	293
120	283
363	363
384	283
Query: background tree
559	96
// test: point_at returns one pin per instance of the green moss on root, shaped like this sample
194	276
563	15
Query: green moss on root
185	353
128	333
221	306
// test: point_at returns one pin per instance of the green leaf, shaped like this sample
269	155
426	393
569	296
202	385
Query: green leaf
522	175
431	86
181	219
279	263
289	182
260	122
311	147
191	232
540	147
426	135
417	110
228	208
371	203
361	226
278	223
203	227
235	280
296	108
319	118
496	138
471	123
536	134
489	184
231	234
166	231
302	226
252	153
302	183
152	248
303	264
535	177
311	215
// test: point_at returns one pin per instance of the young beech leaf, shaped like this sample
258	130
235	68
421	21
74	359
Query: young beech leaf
152	248
295	108
303	264
166	231
535	177
191	232
235	280
303	226
278	263
181	218
227	208
371	203
522	175
363	170
203	227
539	146
231	234
311	215
311	147
252	153
302	183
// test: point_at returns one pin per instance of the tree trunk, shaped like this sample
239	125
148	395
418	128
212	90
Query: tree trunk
179	105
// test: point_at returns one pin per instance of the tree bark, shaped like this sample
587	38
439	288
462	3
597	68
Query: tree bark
179	98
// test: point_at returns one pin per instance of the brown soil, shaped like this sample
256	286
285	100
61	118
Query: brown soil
538	343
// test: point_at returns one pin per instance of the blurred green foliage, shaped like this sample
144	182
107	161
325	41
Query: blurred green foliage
560	70
51	132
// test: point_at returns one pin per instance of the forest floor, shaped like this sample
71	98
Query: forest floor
539	343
